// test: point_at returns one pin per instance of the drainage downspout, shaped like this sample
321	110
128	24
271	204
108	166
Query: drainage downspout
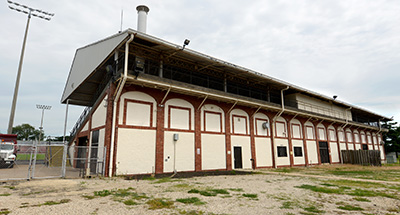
116	98
273	125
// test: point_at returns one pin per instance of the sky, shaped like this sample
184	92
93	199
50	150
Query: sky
348	48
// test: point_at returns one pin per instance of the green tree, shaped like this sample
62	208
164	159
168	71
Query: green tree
26	132
392	138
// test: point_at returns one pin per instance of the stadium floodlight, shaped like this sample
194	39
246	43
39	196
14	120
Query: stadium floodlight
31	12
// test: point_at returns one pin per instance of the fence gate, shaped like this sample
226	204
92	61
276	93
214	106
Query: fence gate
53	160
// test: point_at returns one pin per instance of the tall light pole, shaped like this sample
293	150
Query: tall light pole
31	12
42	107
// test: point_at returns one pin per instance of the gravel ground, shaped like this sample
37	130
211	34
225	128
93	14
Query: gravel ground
241	194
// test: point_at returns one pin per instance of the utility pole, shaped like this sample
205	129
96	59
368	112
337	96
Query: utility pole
31	12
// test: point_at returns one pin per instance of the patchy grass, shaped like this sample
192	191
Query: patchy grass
130	202
165	180
102	193
288	170
347	191
350	208
236	189
5	211
372	193
10	187
322	189
361	199
5	194
62	201
192	200
250	196
158	203
313	209
89	197
351	183
209	192
287	205
192	212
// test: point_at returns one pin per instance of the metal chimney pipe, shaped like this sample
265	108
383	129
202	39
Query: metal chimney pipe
142	18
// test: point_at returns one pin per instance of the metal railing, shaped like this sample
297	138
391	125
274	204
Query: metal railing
80	121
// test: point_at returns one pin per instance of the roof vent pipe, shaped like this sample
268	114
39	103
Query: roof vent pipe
142	18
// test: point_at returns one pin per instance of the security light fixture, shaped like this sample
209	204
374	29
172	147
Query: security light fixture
334	97
185	43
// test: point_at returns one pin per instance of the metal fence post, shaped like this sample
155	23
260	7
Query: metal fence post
64	160
34	158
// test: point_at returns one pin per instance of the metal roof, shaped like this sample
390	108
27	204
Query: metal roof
83	78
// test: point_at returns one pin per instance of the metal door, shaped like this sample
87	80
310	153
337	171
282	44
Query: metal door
324	152
237	153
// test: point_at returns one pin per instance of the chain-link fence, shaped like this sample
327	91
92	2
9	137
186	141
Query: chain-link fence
53	160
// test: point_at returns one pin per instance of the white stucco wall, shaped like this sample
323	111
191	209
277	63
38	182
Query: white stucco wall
263	152
184	151
215	118
134	117
239	122
343	146
350	146
244	142
99	115
282	161
298	160
180	118
358	146
135	151
334	152
213	153
312	152
85	127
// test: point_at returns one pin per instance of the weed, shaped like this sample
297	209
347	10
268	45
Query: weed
219	191
313	209
130	202
158	203
5	194
371	193
250	195
192	212
62	201
321	189
10	187
360	199
350	208
149	178
193	200
102	193
287	205
89	197
236	189
4	211
209	192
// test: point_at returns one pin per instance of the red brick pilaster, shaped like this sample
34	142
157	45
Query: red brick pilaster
338	143
160	139
108	128
228	146
252	141
197	138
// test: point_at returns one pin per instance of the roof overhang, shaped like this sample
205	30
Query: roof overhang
85	74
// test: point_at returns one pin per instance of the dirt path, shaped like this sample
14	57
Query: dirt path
271	193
